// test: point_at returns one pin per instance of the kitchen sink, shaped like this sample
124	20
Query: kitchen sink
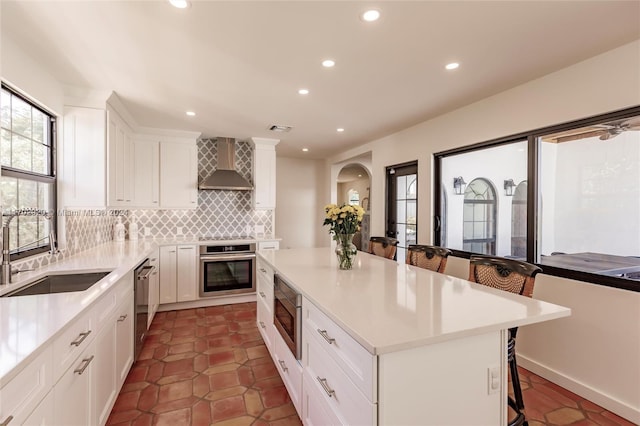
63	283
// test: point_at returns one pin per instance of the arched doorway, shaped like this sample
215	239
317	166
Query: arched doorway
354	187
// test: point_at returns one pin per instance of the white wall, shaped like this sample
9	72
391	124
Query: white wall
300	199
604	83
29	77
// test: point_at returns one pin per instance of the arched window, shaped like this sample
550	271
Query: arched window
479	217
519	221
354	197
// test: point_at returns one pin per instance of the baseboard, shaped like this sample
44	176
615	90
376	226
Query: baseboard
615	406
208	301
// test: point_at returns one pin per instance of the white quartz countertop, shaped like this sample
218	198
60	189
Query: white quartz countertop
389	307
28	322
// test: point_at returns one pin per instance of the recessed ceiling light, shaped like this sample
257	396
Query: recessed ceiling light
303	91
328	63
305	149
191	113
340	129
180	4
359	175
452	66
370	15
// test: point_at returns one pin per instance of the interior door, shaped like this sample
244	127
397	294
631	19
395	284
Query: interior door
402	206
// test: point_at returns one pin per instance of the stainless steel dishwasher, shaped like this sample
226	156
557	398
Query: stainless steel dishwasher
141	297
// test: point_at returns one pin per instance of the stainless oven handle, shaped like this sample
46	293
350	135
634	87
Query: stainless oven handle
222	258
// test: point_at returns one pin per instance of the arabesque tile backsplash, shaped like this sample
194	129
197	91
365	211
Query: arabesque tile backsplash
219	213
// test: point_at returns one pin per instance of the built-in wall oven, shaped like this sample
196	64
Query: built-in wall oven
287	314
227	269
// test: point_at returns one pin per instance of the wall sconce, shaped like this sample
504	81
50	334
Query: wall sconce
458	185
508	187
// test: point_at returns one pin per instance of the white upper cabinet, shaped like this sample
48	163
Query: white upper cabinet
178	175
146	173
119	160
82	177
264	173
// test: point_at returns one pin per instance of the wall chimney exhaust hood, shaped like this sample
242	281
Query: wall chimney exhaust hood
225	175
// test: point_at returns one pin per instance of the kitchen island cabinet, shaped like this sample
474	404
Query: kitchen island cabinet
388	343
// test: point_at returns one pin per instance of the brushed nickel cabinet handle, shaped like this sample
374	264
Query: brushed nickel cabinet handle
325	386
84	365
122	318
6	421
80	338
283	365
324	334
262	324
262	295
263	270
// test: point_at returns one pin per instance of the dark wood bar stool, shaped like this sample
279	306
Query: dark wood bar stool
516	277
428	257
383	246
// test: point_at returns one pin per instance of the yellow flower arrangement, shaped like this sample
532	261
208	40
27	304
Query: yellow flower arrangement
344	219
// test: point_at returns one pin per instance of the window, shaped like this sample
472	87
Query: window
475	211
479	218
354	197
575	209
28	171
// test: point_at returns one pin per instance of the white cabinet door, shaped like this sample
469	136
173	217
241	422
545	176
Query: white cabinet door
187	273
73	395
43	414
104	365
154	288
178	175
146	173
82	178
119	159
168	263
124	348
264	177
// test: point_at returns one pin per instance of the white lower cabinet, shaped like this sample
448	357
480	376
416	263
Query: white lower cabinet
43	414
154	288
20	396
74	392
124	347
104	370
75	379
187	270
290	371
178	273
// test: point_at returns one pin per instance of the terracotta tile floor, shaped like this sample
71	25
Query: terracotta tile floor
204	366
210	366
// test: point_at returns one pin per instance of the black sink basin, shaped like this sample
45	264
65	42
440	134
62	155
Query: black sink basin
59	284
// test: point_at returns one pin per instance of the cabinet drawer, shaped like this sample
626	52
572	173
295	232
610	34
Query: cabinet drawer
71	343
356	362
336	389
23	393
265	325
264	291
315	410
268	245
290	371
265	270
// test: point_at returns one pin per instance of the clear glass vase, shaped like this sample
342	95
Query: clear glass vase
345	250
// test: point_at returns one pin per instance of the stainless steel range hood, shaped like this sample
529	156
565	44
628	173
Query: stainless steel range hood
225	176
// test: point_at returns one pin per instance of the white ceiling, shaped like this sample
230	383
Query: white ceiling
239	64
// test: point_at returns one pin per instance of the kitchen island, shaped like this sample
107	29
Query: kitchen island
388	343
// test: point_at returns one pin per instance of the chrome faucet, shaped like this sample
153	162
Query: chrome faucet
6	260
